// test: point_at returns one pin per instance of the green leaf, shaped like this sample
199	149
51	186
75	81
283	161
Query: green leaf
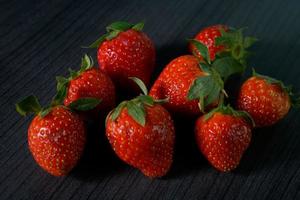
203	50
99	41
86	63
84	104
73	74
141	85
45	111
213	96
146	100
161	101
137	112
119	26
249	41
228	66
60	96
61	82
139	26
27	105
116	112
200	87
112	35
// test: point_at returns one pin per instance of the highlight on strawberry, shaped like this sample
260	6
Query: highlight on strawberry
88	82
125	51
142	134
223	135
266	99
56	135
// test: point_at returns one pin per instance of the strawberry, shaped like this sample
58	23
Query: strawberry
56	136
142	134
174	83
88	82
223	135
220	39
266	99
125	51
207	36
188	82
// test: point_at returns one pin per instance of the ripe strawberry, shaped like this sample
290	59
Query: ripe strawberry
187	84
88	82
222	136
125	51
207	36
174	83
56	136
266	99
142	134
220	39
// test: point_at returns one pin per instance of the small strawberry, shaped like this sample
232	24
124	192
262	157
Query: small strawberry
88	82
142	134
125	51
188	82
266	99
220	39
56	136
223	135
207	36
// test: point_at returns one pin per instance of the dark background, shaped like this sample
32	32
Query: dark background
42	39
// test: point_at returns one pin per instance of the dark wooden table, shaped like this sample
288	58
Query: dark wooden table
41	39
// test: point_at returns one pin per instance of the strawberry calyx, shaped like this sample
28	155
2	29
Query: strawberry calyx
63	83
136	107
235	44
208	88
228	110
294	98
81	104
114	29
31	104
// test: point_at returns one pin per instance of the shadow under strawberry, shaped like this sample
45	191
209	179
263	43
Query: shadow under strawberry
98	159
187	158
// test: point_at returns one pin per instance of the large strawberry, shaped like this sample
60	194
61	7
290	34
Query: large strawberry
142	134
266	99
220	39
56	135
125	51
189	83
88	82
222	136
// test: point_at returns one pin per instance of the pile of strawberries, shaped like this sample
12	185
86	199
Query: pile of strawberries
141	130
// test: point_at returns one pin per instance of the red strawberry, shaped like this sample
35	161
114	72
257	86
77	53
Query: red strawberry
266	99
88	82
142	134
207	36
220	39
125	51
56	136
187	83
222	136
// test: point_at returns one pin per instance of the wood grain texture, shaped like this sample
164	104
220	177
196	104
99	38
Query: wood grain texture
42	39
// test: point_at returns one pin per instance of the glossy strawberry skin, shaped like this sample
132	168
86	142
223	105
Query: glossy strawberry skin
92	83
130	54
149	148
207	36
57	140
266	103
223	139
174	83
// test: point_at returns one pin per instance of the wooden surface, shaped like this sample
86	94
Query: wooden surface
40	39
